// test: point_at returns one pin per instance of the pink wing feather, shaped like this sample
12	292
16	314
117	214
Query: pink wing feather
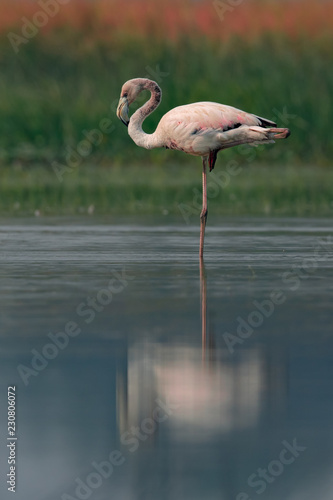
197	128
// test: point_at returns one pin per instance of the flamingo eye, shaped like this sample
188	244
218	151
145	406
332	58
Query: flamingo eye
125	94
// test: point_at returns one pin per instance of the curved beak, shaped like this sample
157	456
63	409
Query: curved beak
122	110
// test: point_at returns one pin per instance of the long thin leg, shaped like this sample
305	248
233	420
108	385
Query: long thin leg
203	215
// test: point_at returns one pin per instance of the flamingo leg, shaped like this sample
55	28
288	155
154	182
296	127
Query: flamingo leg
204	211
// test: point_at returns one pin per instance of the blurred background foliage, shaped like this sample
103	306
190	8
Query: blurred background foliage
272	58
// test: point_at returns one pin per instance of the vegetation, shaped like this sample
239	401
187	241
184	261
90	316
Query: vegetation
62	148
244	190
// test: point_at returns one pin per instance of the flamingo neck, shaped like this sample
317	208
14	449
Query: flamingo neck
135	131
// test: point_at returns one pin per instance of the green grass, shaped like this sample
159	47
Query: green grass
169	189
59	86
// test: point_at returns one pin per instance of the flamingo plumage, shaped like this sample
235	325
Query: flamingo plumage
199	129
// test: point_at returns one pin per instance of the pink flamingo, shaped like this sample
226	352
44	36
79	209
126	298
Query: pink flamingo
199	129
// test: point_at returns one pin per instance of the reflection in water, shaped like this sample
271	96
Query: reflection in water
214	397
216	400
151	375
219	395
203	300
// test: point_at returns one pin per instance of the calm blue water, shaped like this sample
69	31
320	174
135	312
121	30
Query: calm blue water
136	380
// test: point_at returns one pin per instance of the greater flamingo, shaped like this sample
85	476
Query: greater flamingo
199	129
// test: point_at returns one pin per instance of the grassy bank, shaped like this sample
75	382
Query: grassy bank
169	189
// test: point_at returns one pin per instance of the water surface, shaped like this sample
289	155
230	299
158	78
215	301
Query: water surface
213	389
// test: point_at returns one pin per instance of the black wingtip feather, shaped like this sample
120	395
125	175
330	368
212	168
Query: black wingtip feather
266	123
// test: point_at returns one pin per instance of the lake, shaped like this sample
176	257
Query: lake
142	373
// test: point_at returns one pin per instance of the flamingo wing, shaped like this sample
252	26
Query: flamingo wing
202	128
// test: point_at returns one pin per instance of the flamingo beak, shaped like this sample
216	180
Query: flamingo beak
122	110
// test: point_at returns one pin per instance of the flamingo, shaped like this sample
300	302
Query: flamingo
199	129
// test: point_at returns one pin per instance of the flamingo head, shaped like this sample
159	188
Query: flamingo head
129	92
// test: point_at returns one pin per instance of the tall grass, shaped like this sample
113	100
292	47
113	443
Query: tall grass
58	88
62	86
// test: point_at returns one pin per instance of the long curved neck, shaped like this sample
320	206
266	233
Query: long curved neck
135	131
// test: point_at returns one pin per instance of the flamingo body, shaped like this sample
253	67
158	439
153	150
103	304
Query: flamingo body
203	127
199	129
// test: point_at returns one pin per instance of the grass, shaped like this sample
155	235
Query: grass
172	189
270	58
53	93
